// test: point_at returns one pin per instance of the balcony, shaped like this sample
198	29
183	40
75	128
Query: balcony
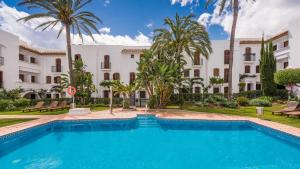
249	57
1	60
105	66
56	69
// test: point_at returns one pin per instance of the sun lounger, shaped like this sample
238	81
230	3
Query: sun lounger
294	113
51	107
291	107
63	105
38	106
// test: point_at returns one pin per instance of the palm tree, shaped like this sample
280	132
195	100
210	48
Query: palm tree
235	9
67	13
125	90
182	35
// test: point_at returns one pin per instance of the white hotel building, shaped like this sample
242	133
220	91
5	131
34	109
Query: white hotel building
35	69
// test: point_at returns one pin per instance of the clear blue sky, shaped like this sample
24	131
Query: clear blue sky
128	17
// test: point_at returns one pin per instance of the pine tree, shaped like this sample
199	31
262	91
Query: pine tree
267	66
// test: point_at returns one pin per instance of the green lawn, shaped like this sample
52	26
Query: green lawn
249	111
7	122
19	112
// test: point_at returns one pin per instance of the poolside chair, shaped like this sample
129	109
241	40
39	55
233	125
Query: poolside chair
293	113
51	107
291	107
38	106
63	105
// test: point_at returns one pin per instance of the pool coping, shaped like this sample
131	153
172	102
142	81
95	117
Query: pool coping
105	115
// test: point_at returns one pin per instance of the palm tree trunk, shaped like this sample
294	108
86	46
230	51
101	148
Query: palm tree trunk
69	52
232	38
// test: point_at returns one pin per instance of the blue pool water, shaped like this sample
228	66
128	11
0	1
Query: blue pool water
148	143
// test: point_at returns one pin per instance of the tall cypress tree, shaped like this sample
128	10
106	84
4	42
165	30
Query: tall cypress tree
267	66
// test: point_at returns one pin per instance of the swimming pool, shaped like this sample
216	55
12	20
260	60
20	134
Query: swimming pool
147	142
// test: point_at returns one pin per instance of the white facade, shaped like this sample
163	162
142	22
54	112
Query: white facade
18	71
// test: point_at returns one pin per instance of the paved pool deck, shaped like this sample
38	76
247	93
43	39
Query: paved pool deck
119	114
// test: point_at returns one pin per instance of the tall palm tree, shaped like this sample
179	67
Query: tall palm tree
67	13
235	9
182	35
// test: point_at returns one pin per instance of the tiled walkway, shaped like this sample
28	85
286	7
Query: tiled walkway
41	119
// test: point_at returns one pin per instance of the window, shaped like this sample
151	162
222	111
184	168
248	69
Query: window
197	89
258	86
131	77
77	57
142	95
56	96
186	73
285	64
226	75
226	56
248	50
286	43
32	60
216	90
116	76
21	57
33	79
106	62
106	76
22	77
106	93
197	58
48	79
132	56
58	65
196	73
216	72
48	96
257	69
141	55
225	89
56	79
1	79
274	47
247	69
249	86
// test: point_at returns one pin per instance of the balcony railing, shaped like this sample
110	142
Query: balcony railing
248	57
56	69
1	60
105	66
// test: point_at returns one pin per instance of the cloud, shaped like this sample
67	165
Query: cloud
149	25
47	38
204	19
104	30
182	2
268	16
106	2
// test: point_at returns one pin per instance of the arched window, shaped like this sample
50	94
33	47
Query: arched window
116	76
216	72
106	62
248	50
77	57
58	65
226	56
106	76
197	58
131	77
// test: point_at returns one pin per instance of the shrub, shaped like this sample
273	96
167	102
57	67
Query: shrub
249	94
21	103
287	76
228	104
260	102
6	105
210	99
152	102
242	101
